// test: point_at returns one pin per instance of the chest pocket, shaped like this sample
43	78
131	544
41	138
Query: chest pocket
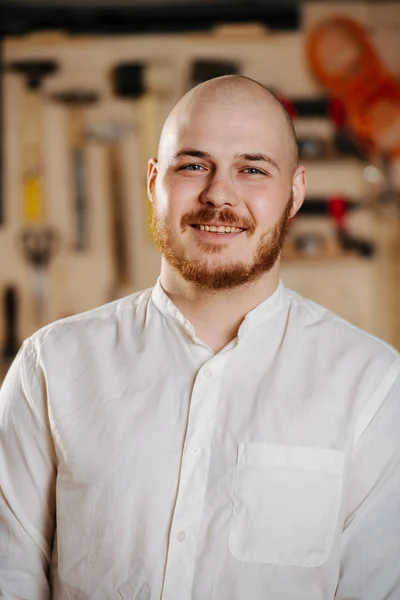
286	504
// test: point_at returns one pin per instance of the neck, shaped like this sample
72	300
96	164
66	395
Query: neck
216	315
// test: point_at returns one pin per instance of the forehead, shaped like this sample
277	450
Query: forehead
228	128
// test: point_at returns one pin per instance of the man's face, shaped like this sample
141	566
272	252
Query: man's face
224	166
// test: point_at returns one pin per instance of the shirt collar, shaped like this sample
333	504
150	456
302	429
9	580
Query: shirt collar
262	312
166	306
265	310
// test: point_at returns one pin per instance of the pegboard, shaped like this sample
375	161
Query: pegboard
360	289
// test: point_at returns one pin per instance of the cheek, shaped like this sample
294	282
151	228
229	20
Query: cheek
162	197
167	206
267	207
265	212
175	197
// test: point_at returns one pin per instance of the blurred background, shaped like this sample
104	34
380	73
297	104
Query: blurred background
84	90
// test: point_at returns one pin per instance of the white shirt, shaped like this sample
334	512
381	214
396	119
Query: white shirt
137	465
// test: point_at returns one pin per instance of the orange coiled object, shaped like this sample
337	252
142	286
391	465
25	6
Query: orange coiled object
344	60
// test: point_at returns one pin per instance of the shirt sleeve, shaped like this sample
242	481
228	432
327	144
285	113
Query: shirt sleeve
27	482
370	553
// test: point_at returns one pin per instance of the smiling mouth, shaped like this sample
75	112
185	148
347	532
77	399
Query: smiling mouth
220	229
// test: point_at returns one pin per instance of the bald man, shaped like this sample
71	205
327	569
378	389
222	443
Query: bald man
216	437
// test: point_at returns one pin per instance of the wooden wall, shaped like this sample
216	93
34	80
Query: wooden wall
363	290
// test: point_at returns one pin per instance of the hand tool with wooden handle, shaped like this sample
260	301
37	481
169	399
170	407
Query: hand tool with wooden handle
111	134
34	73
39	246
77	101
144	84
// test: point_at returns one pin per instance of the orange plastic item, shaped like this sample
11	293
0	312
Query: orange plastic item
344	60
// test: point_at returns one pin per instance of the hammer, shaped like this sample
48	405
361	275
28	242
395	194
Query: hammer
144	84
34	72
77	101
111	134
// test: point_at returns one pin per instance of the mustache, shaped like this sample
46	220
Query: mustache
208	214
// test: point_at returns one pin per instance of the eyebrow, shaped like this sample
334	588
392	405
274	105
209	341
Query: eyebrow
193	152
258	156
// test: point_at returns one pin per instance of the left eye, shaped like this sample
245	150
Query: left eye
253	171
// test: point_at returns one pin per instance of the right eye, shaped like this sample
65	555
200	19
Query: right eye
191	167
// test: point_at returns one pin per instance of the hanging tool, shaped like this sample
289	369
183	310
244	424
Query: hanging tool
311	146
111	134
39	247
10	343
310	244
77	101
337	208
144	84
34	73
313	243
345	143
33	206
317	206
204	69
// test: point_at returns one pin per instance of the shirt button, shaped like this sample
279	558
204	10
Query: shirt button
208	373
181	536
195	451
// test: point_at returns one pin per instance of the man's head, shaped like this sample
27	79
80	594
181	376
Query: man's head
227	157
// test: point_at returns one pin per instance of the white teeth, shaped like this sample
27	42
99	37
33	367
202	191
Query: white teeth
219	229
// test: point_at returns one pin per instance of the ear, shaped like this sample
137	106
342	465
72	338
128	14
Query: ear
152	170
299	188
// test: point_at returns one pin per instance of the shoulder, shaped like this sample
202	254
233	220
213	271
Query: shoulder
92	324
336	336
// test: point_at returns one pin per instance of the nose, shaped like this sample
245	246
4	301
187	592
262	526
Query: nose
219	191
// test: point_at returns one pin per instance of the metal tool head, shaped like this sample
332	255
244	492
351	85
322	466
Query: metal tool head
109	132
203	69
33	70
128	80
76	97
310	243
39	245
132	80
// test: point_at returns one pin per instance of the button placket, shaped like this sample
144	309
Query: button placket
193	480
